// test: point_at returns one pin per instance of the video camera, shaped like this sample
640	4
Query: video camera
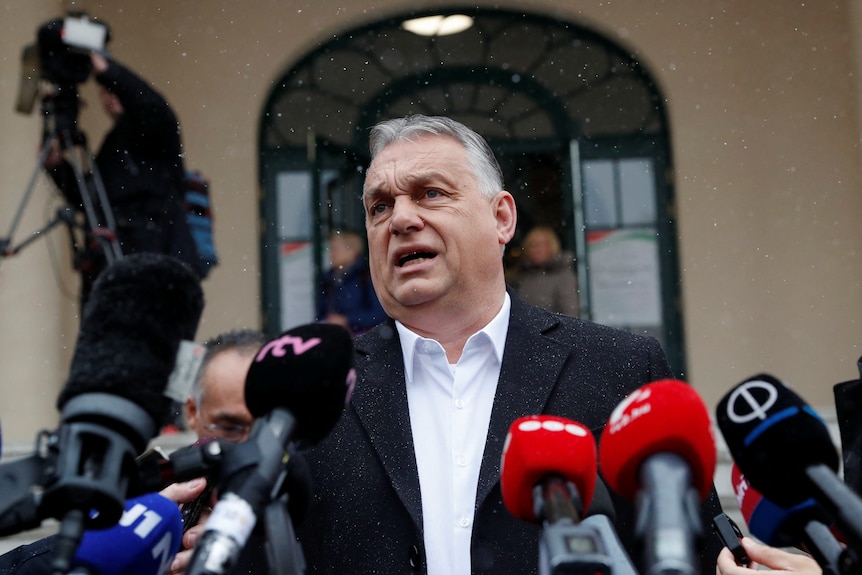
52	68
60	57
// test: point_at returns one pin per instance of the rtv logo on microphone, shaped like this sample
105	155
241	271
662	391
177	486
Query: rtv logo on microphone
630	409
751	400
278	347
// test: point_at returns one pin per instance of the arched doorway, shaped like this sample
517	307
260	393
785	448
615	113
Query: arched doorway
577	122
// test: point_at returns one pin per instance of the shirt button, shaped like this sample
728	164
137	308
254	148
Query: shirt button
464	522
459	403
461	461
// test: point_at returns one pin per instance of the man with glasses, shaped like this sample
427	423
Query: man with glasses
216	406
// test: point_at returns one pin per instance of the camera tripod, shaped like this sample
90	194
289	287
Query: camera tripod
60	113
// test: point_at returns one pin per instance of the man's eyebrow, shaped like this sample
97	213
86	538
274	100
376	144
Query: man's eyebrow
427	177
228	417
372	193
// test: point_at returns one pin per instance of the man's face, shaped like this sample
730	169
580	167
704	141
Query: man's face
222	411
434	239
540	249
342	253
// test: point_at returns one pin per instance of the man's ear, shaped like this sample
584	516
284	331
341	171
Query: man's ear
191	413
507	216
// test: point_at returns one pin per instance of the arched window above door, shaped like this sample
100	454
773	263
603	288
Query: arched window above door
509	75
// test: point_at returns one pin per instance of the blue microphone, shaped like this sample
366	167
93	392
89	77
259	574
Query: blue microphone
144	542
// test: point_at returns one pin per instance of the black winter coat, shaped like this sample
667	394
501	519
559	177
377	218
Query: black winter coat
141	165
366	514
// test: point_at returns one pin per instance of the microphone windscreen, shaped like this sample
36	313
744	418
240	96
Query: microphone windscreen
140	309
307	370
540	446
666	416
772	524
774	436
144	542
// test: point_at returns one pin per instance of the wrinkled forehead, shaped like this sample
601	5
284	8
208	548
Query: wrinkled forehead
419	158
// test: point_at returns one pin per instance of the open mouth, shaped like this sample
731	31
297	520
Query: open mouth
414	258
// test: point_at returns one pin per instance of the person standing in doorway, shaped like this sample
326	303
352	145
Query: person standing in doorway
346	296
545	275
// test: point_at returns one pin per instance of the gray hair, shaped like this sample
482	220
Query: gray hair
479	153
241	340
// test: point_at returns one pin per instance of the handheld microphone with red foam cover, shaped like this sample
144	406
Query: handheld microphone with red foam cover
663	416
657	449
774	436
307	370
539	446
144	542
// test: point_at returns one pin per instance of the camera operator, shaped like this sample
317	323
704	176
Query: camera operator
140	162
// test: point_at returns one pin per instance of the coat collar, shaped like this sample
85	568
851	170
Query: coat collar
531	366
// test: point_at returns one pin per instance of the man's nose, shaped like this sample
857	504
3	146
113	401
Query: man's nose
405	216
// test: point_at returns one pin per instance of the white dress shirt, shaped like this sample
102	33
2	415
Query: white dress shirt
450	410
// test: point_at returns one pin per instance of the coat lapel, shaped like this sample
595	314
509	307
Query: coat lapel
531	367
380	401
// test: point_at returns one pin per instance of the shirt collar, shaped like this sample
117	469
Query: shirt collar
496	331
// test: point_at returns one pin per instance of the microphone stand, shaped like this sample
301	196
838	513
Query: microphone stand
566	546
844	507
283	551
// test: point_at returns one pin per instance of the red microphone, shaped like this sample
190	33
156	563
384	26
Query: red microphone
554	453
663	416
658	449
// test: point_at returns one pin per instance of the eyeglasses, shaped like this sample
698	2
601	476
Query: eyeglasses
233	432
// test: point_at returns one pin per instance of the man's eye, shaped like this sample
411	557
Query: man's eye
377	209
432	193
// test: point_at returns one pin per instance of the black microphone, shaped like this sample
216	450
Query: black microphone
848	404
785	451
296	387
205	458
800	526
140	309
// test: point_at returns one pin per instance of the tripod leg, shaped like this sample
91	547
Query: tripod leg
6	243
105	234
108	212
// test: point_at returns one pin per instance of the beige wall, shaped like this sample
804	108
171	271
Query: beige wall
764	110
